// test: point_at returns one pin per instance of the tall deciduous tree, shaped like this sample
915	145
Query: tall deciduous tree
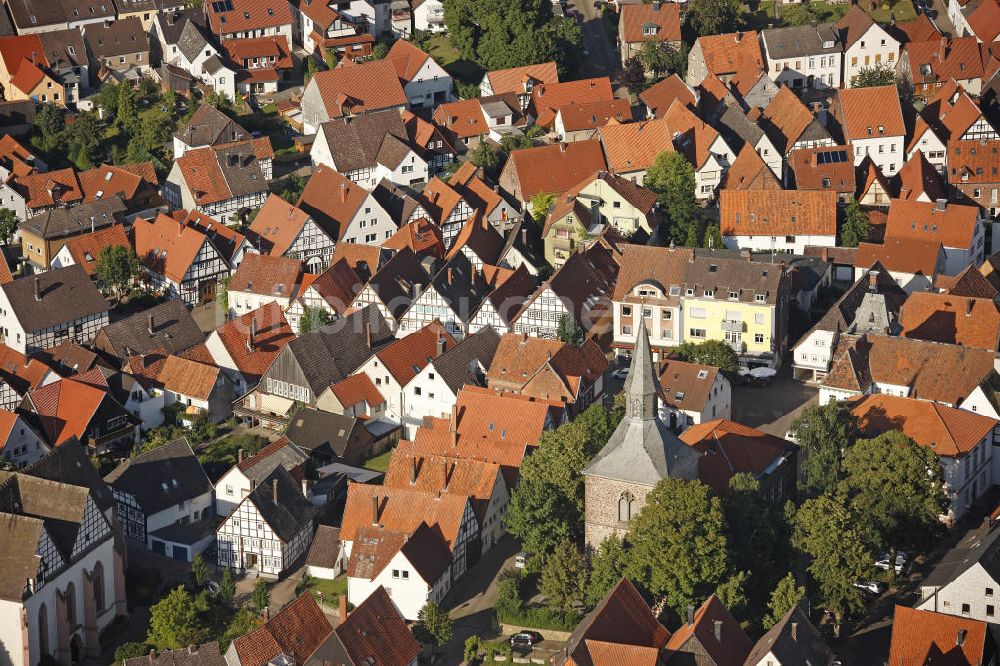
879	74
711	352
433	625
173	622
313	318
564	576
895	486
786	596
758	534
116	268
672	178
607	566
824	433
855	227
711	17
8	224
679	550
839	550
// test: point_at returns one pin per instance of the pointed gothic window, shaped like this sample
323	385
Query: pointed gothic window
625	504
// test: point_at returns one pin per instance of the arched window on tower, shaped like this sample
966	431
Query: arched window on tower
625	504
43	630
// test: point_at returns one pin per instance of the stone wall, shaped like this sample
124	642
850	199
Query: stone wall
601	498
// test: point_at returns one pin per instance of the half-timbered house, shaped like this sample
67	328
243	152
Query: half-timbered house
179	260
19	374
270	529
447	208
333	292
347	212
250	471
38	312
245	347
281	229
164	501
394	287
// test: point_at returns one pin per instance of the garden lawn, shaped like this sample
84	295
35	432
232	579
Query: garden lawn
379	463
448	57
900	11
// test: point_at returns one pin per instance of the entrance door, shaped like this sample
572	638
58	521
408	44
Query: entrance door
159	547
206	291
251	561
181	553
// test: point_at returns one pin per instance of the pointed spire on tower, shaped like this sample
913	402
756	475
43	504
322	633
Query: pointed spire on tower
641	387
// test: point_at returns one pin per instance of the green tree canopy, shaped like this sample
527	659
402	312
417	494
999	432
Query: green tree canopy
498	34
896	486
569	331
199	570
672	178
839	549
314	317
679	550
786	596
879	74
711	352
564	576
380	51
117	267
261	595
633	76
127	111
8	224
712	17
758	534
227	588
433	625
540	204
173	622
607	568
824	433
855	227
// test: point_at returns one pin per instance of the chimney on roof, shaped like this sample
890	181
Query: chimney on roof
343	608
274	490
795	631
305	488
690	615
656	6
440	346
960	638
524	236
453	426
872	281
149	325
253	484
413	472
718	631
152	655
374	509
368	333
941	204
239	455
267	614
415	290
91	224
343	191
192	649
34	57
447	475
450	275
252	336
38	289
562	147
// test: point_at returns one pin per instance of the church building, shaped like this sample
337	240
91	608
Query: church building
640	452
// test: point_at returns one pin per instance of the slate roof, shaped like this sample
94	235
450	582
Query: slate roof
209	126
69	464
174	330
195	655
162	478
358	142
375	633
807	645
397	201
329	354
279	453
291	513
460	365
191	40
312	429
59	222
642	449
802	40
325	547
67	294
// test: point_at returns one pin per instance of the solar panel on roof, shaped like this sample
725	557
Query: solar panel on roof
220	6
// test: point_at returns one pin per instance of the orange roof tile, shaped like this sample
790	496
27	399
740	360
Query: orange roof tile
748	172
475	479
712	619
954	226
166	246
812	174
65	408
919	177
51	188
634	146
18	159
277	224
946	58
548	98
591	115
556	168
985	21
188	378
975	162
929	638
407	58
16	49
871	112
778	213
513	80
401	510
300	628
366	87
659	96
337	286
250	15
951	112
107	180
375	631
273	333
332	197
465	118
957	320
273	49
902	255
407	356
695	136
356	389
28	76
268	276
730	448
86	248
789	116
920	29
725	54
950	432
422	236
664	17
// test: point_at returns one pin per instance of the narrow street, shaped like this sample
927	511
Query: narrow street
600	57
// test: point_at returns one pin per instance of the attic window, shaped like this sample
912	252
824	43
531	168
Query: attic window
712	268
108	176
703	374
826	182
88	256
679	396
71	49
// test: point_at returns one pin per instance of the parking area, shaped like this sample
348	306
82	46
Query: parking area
541	653
773	407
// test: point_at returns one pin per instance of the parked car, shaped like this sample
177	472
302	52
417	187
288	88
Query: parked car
526	638
902	559
521	559
212	586
621	373
872	586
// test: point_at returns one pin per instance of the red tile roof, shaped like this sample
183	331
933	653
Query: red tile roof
16	157
65	408
273	333
954	226
726	54
407	356
356	89
50	188
634	146
267	275
664	17
871	112
513	80
957	320
250	15
730	448
465	118
555	168
356	389
974	162
188	378
941	59
919	177
932	639
591	115
950	432
300	628
86	248
376	634
107	180
985	21
407	58
422	236
277	224
712	619
271	50
778	213
166	246
548	98
402	510
659	96
334	197
810	174
902	255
